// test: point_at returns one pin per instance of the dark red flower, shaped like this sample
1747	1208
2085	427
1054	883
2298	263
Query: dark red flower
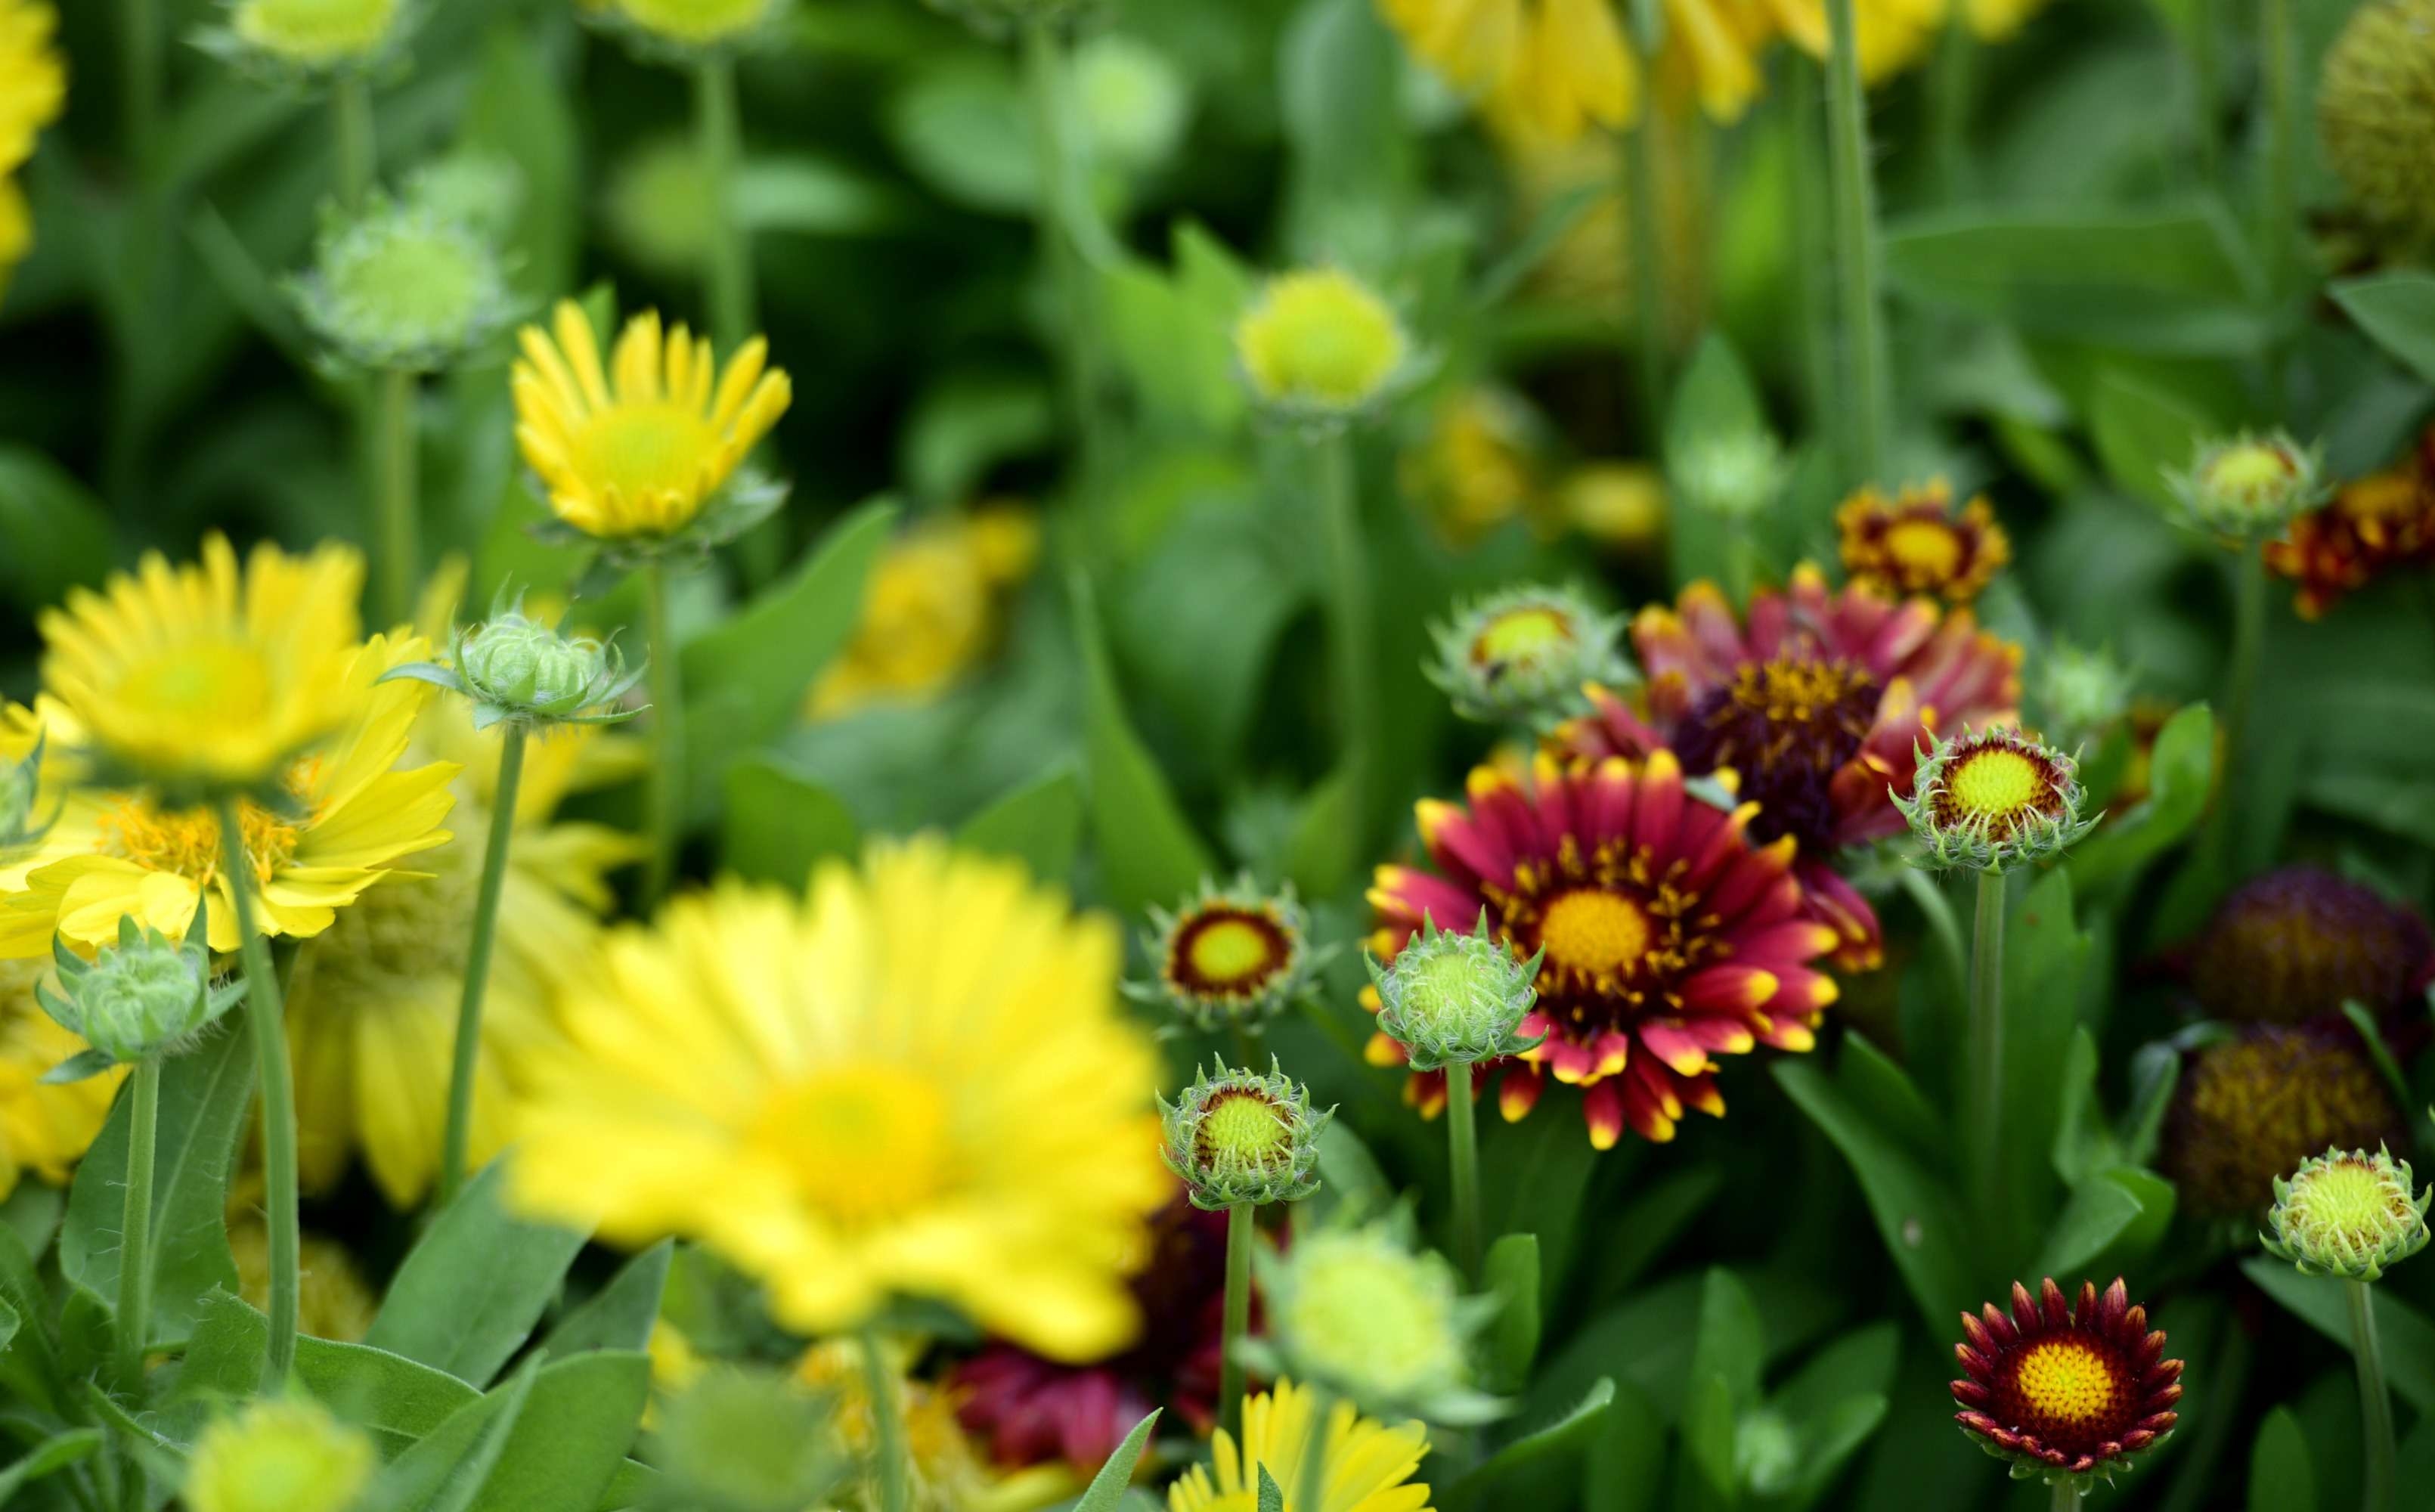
2067	1391
2299	942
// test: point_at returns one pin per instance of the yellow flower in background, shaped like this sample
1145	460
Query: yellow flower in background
1618	504
933	609
915	1082
948	1473
334	1300
1591	264
43	1130
33	86
1997	20
1894	34
638	450
695	22
1477	466
1366	1466
276	1455
348	812
202	677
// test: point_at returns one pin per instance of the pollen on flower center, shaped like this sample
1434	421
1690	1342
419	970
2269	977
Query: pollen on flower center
645	450
187	842
224	680
1241	1128
1522	635
1595	933
1928	547
1998	785
2069	1380
1787	726
863	1142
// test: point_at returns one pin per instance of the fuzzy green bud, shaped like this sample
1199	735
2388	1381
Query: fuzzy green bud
1134	101
146	995
403	289
2248	488
1733	474
279	1457
681	31
1237	1137
1521	657
1320	347
1448	997
293	40
2352	1215
1992	801
1232	957
516	670
2083	693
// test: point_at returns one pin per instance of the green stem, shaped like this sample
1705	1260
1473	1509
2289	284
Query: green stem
719	134
453	1154
2067	1496
2214	852
1646	249
2205	62
1462	1140
267	1018
667	737
1242	1225
2280	209
1986	1120
1058	209
1952	89
399	497
888	1427
1350	622
350	99
136	1245
2375	1404
1813	242
1856	251
140	44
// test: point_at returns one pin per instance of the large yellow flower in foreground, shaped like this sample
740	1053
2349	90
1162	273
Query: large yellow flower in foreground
916	1082
639	450
348	812
204	677
43	1130
1365	1465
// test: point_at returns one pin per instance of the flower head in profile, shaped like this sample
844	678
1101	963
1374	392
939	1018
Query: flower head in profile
1818	702
2249	487
2298	942
1319	346
1364	1464
1521	656
144	995
209	678
2254	1105
2065	1392
916	1082
401	288
45	1125
1371	1316
1915	542
1233	956
1237	1137
2379	524
2348	1214
1664	938
516	670
1456	996
643	456
279	1457
1993	799
285	39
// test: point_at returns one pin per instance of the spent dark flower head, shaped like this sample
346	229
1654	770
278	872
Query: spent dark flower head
2298	942
2250	1106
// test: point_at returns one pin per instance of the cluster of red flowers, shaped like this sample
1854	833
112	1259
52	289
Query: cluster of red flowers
2374	525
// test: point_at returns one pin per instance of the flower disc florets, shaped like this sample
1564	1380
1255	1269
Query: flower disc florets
1320	347
1915	542
1237	1137
287	40
2298	942
2250	1106
1365	1313
1733	474
2245	487
404	288
1449	997
279	1457
518	670
2352	1215
146	995
1233	956
1991	800
2065	1394
1523	655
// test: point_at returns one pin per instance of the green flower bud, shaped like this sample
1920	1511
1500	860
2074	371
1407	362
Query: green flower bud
1232	957
660	204
146	995
2083	693
1238	1137
2354	1216
1992	801
685	31
520	671
283	41
481	190
1456	997
1521	656
402	288
1134	101
2247	487
1734	474
1319	348
279	1457
1364	1314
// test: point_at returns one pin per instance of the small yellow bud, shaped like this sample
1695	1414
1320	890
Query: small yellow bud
1320	343
279	1457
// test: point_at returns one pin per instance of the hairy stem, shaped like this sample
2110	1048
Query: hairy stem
351	101
1350	623
1242	1225
1462	1137
1986	1122
399	497
718	136
136	1245
1856	251
667	737
265	1015
453	1154
2376	1404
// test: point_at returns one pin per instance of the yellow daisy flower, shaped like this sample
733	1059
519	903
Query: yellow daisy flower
915	1082
42	1129
33	78
638	450
1894	34
202	679
932	610
349	814
334	1301
1365	1465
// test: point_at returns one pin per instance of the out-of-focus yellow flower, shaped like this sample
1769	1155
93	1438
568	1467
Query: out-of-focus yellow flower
1997	20
1894	34
1592	264
932	610
638	450
1367	1467
204	678
1620	504
915	1082
279	1457
1475	468
334	1301
1320	342
33	86
314	33
42	1129
948	1473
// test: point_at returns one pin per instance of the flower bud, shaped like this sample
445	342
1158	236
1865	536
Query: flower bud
2247	486
681	30
403	289
1234	957
2375	114
1992	801
2083	693
1135	102
279	1457
146	995
2354	1216
1319	346
1521	656
1239	1137
1621	506
288	38
517	670
1456	997
1733	474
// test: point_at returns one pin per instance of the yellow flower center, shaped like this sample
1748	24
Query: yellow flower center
316	31
864	1142
2349	1202
1243	1129
404	930
226	681
1595	934
1320	337
1522	635
186	842
1929	548
1996	784
647	451
2069	1380
1230	949
2249	470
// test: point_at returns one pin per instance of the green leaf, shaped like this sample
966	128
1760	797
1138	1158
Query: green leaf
1039	824
2181	772
1148	851
1352	1188
1914	1210
1321	857
204	1097
2398	312
1708	1430
396	1400
965	424
960	124
520	109
778	825
2321	1301
2280	1477
807	195
1732	1346
2144	435
471	1291
1272	1498
447	1472
1116	1475
620	1314
1652	1219
57	534
53	1453
29	1367
1715	397
2121	1210
1512	1273
553	1438
1626	1461
1568	1436
2045	960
